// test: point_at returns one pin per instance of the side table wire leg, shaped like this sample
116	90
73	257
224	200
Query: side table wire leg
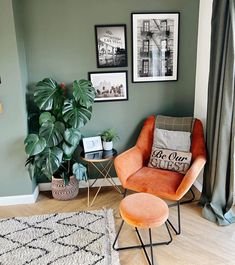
95	196
108	177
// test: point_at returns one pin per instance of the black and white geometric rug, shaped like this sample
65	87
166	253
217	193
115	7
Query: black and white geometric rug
81	238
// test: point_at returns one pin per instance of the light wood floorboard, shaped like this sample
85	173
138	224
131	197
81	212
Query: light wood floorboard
201	242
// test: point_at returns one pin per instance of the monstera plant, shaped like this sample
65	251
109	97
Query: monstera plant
62	116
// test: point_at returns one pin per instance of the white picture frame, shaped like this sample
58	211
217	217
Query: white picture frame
155	38
91	144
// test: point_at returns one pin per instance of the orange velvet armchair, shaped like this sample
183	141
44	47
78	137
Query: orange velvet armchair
132	170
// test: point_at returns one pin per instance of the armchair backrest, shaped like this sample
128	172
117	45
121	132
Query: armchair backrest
145	139
198	146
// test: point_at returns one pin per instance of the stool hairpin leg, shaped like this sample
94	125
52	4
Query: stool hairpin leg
151	245
143	246
140	246
116	238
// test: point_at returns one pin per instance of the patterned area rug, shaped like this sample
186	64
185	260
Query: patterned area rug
81	238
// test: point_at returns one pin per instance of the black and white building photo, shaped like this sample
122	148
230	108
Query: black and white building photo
155	47
111	47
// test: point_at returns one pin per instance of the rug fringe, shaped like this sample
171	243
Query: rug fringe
113	256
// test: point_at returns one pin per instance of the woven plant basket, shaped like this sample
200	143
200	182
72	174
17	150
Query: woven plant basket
63	192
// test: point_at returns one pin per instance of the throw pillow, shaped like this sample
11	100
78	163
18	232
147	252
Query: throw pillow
170	160
173	140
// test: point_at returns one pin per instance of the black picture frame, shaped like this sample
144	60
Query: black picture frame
111	45
110	85
155	46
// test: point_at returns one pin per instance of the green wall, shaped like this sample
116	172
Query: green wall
14	179
59	41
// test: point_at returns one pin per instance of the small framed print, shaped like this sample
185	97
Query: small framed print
91	144
155	46
111	48
109	86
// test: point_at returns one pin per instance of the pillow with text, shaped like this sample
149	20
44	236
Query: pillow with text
170	160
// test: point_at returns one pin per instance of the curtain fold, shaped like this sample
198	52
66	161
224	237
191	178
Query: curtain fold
218	183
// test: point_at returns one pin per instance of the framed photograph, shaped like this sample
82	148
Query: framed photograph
91	144
109	86
111	48
155	46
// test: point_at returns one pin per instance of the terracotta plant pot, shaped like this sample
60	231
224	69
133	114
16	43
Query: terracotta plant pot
63	192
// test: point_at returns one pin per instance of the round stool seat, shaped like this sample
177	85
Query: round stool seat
144	210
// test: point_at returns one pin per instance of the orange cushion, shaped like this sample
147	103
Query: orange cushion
159	182
144	210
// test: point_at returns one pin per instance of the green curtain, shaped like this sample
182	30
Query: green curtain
218	184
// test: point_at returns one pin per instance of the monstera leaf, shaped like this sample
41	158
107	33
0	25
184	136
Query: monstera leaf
76	115
46	116
34	144
48	95
50	161
31	166
33	169
84	92
68	150
52	132
72	136
80	171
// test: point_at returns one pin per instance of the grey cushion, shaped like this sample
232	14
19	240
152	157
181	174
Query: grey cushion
173	140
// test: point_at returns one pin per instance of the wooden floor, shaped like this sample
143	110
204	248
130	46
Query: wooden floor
201	242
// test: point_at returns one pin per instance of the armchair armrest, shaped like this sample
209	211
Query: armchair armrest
191	176
128	163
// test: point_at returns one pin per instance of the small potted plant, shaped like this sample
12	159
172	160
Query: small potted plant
108	136
51	147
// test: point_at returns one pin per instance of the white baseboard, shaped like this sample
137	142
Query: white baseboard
198	185
20	199
31	198
82	184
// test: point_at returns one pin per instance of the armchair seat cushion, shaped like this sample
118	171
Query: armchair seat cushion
162	183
